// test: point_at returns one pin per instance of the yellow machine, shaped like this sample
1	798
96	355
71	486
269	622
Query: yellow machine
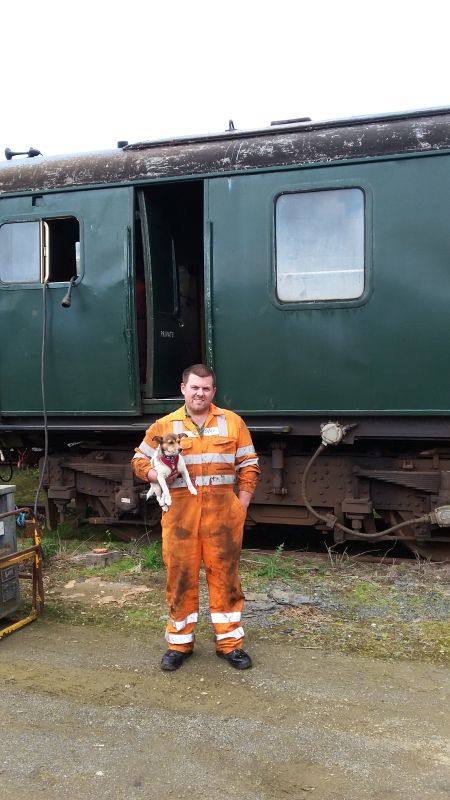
10	561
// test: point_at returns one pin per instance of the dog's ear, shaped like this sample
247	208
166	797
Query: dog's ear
157	439
180	436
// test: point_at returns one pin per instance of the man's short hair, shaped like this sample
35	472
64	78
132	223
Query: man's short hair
201	370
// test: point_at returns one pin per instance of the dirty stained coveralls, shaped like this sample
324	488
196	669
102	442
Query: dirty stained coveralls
207	527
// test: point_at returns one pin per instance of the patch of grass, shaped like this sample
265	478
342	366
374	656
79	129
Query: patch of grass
144	618
26	482
382	611
433	636
147	558
425	641
105	616
50	547
256	569
276	566
365	592
51	544
67	570
121	567
151	557
369	599
72	614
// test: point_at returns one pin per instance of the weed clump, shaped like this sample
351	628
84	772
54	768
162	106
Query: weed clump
276	566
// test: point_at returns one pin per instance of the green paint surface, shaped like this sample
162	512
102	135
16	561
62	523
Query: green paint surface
386	352
89	347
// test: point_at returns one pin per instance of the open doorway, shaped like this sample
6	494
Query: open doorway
169	284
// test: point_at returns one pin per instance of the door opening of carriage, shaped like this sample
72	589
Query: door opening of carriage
168	247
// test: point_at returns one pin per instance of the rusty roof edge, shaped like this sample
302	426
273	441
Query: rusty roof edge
273	130
288	128
282	146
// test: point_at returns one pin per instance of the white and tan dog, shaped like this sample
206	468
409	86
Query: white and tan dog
167	461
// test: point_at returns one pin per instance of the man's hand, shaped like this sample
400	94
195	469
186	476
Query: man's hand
152	476
244	499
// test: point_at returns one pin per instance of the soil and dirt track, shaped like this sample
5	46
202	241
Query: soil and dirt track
86	713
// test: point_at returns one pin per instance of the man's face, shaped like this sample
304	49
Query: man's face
198	394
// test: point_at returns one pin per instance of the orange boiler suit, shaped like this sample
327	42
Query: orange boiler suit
207	527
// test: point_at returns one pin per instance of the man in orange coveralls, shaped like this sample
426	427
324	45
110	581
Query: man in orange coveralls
217	449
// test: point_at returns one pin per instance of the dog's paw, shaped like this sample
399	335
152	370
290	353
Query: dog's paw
167	501
193	490
164	507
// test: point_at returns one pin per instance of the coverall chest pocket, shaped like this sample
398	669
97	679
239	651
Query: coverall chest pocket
223	444
223	453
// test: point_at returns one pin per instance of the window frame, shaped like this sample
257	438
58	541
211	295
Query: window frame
319	186
43	221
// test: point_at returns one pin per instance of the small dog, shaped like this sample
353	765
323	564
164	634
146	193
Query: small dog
168	461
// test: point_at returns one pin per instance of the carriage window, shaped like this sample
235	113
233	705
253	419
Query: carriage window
31	252
20	252
320	245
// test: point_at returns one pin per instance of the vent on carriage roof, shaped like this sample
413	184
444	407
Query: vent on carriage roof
291	121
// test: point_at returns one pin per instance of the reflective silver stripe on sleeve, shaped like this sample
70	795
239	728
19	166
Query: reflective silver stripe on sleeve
139	455
210	458
179	638
229	616
245	451
238	633
222	425
180	624
146	449
247	463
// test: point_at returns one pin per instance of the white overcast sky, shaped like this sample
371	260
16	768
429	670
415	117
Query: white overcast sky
81	75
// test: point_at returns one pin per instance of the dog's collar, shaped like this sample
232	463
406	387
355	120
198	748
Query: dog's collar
171	462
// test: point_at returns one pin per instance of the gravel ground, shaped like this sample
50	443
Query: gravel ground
86	713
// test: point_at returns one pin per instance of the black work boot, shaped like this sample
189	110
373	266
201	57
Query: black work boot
238	659
173	659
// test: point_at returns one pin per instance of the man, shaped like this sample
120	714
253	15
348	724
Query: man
217	449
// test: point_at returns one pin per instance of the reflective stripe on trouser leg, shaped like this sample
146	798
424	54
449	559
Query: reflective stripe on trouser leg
182	554
221	529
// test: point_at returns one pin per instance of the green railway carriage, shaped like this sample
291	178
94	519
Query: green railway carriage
308	263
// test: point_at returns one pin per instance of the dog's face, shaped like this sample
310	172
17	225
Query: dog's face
170	443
